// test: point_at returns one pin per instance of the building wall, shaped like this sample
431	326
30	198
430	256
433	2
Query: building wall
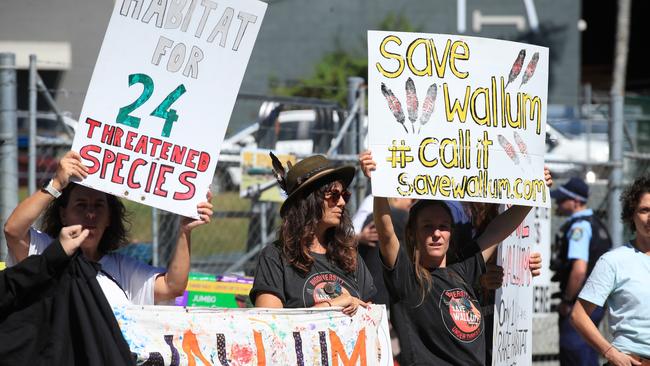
82	23
296	33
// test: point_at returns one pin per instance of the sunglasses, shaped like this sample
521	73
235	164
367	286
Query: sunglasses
335	195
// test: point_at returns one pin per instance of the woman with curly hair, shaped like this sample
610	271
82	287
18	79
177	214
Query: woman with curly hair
315	262
620	281
63	203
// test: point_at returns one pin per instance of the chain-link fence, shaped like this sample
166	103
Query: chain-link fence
241	225
576	146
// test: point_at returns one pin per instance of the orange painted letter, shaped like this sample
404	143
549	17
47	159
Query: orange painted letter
358	352
261	355
191	349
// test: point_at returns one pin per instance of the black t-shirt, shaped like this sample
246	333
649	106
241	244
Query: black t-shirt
447	327
371	255
276	276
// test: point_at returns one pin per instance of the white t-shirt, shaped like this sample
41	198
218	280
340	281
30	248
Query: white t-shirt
365	209
124	280
620	281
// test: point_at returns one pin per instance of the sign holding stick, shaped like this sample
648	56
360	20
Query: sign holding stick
456	117
161	96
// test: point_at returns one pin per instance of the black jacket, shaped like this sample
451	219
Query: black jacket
53	312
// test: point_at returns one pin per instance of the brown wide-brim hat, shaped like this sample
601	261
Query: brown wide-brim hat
311	173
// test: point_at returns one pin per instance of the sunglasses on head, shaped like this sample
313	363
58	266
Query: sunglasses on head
335	195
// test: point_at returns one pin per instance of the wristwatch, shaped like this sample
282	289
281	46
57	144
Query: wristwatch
49	188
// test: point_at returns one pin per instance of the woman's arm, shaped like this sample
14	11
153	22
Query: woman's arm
499	229
583	324
174	281
349	303
268	300
16	228
504	224
388	243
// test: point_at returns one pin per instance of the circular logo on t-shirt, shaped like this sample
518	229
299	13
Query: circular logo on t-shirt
460	315
324	286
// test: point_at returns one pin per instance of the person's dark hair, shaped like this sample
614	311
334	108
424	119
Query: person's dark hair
299	227
482	214
422	274
630	199
115	234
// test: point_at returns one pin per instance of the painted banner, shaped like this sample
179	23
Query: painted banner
513	312
457	117
257	170
161	96
188	336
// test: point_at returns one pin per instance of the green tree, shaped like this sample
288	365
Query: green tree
329	78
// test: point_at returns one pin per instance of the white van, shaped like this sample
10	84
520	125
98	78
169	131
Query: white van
568	155
301	132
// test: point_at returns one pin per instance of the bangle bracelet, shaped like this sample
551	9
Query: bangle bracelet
609	349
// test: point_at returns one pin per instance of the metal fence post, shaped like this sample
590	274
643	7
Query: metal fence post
169	226
8	142
617	120
154	237
616	175
31	167
363	133
352	145
264	231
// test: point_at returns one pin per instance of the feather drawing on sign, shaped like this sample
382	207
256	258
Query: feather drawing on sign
523	149
530	69
508	148
411	102
516	67
427	105
394	105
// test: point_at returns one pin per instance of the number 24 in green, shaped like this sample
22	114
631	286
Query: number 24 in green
162	111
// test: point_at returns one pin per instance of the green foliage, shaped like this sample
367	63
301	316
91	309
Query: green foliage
329	78
398	23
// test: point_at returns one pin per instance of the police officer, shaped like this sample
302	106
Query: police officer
581	240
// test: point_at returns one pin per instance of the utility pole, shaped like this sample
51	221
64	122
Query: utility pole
617	94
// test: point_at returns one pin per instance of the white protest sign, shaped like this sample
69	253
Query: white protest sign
257	337
513	311
541	233
161	96
457	117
